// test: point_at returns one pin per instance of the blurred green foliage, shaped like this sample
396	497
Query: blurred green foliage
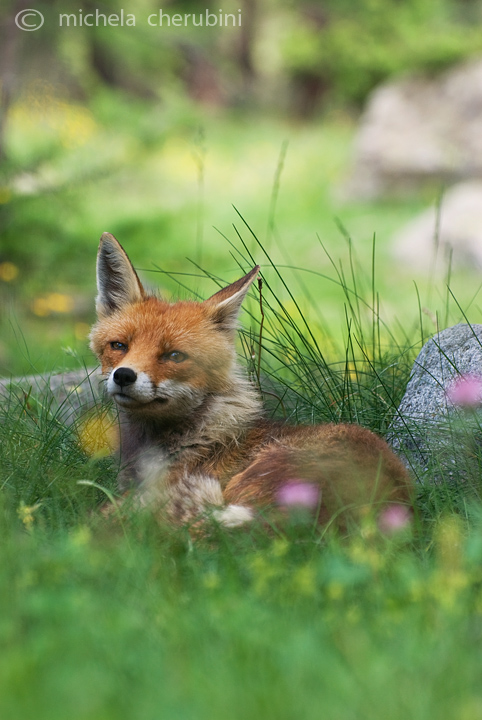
297	55
348	48
154	133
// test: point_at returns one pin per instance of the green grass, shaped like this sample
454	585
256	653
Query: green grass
98	625
104	620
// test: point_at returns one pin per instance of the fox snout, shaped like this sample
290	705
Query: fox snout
124	376
129	387
136	391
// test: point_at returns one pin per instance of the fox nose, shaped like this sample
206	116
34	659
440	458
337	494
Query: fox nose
124	376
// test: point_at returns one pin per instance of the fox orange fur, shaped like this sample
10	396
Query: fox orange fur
194	438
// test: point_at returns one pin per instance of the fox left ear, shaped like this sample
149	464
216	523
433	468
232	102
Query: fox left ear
225	304
117	282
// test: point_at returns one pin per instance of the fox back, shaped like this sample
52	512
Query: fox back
193	434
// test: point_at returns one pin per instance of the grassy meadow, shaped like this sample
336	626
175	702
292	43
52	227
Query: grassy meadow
113	618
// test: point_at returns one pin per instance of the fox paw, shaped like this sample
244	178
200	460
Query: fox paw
233	515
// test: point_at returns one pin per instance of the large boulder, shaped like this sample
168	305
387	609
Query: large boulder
452	230
437	429
68	395
418	129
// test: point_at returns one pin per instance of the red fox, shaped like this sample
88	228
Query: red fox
193	436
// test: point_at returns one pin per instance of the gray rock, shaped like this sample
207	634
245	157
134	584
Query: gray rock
438	440
420	129
69	395
455	231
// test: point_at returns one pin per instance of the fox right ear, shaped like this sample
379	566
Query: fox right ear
224	305
117	281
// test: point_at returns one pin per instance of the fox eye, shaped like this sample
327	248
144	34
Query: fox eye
118	346
174	356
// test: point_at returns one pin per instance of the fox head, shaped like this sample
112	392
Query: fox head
162	359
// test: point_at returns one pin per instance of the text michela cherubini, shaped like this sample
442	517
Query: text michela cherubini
158	19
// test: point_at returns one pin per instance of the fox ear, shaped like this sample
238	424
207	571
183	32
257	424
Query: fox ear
224	305
117	281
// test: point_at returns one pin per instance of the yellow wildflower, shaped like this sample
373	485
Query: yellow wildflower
26	514
446	587
211	580
53	303
279	547
335	590
81	330
40	307
60	303
98	435
8	271
5	195
304	581
365	554
263	572
449	539
81	536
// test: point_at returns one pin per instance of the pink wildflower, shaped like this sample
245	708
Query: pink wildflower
466	391
394	518
299	493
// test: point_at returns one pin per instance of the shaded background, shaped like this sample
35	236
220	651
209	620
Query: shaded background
176	139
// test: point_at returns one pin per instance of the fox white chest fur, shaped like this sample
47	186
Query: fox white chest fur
193	435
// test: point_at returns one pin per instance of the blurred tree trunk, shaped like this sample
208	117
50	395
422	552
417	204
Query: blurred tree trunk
103	62
201	76
249	14
107	67
10	40
311	85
